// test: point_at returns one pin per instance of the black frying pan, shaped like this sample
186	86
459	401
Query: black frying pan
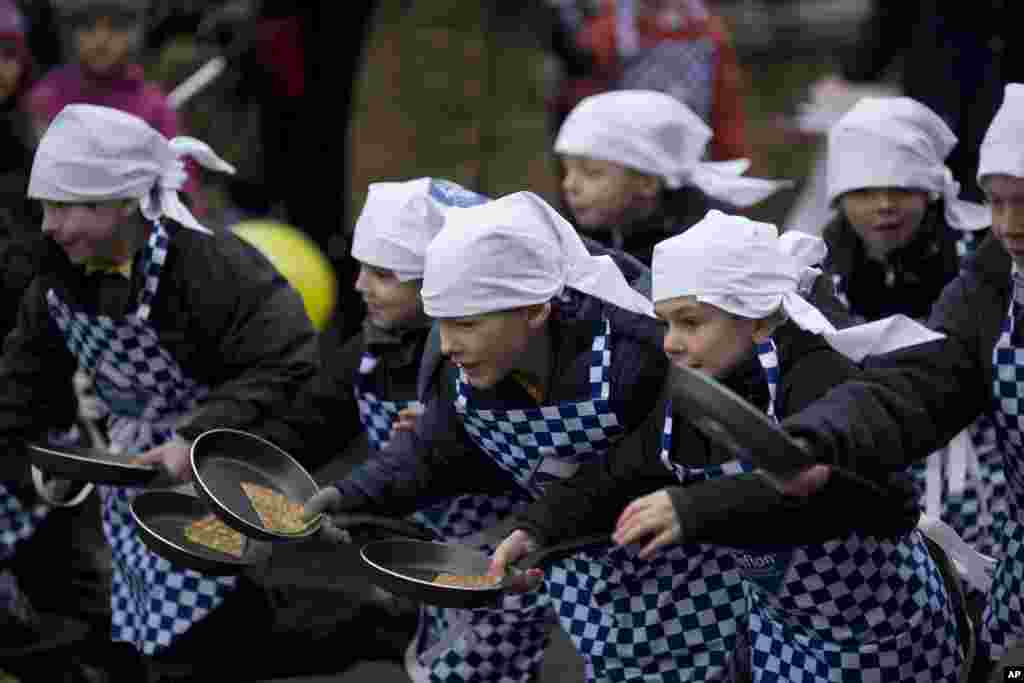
87	464
162	517
748	433
222	459
409	567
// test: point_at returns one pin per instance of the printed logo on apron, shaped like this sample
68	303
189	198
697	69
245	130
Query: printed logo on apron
152	602
766	570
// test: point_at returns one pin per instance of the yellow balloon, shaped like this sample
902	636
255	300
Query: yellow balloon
300	261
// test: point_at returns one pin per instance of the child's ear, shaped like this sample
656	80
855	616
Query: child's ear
765	327
648	186
537	315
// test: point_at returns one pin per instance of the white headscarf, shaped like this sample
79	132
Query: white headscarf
91	153
898	142
512	252
1002	150
400	219
745	268
656	134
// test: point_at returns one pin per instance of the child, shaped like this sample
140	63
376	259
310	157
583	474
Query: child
510	356
633	169
910	402
182	332
901	230
898	240
840	584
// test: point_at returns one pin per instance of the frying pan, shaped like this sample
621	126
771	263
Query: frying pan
747	432
222	459
162	517
87	464
408	567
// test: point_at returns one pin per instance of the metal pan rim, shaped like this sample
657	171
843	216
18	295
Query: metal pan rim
94	460
429	584
236	521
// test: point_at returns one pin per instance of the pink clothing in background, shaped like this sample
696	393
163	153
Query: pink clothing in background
129	92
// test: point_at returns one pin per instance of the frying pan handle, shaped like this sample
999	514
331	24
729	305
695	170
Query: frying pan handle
398	526
559	550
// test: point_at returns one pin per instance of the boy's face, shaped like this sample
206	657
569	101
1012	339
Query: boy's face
602	194
489	346
705	338
1006	198
104	43
885	218
87	231
390	303
10	69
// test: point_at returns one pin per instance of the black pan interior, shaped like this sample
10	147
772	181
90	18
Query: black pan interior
162	516
224	459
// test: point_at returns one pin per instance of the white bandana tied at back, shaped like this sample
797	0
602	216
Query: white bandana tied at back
512	252
898	142
93	154
745	268
656	134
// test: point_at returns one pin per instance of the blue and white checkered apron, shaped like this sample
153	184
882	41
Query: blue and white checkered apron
507	645
146	391
17	521
1003	620
856	609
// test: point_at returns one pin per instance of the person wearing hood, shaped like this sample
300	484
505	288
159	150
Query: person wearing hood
910	402
634	172
181	331
521	397
705	529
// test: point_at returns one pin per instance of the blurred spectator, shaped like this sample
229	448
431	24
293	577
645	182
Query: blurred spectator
956	59
19	218
300	63
679	47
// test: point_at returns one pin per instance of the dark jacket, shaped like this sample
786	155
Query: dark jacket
911	278
956	58
440	460
738	511
231	321
326	409
911	402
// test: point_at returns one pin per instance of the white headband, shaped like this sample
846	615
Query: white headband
91	153
1002	150
898	142
656	134
400	219
743	267
512	252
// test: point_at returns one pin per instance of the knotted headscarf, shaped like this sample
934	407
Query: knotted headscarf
1002	150
512	252
745	268
656	134
90	153
898	142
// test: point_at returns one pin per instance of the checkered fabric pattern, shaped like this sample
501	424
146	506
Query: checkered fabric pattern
768	356
152	601
672	618
143	386
859	609
521	440
692	475
500	646
17	522
470	514
684	69
1003	620
377	415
